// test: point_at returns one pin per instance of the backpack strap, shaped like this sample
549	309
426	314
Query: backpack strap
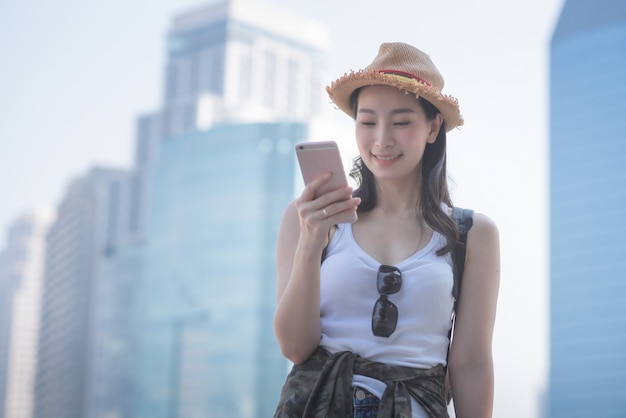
464	221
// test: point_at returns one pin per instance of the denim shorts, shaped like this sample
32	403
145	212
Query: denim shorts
365	403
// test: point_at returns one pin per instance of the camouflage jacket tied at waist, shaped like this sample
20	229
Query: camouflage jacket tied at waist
322	387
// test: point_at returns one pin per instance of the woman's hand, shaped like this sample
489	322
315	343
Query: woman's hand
318	215
303	235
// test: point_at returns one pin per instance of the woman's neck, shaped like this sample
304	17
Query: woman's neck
394	198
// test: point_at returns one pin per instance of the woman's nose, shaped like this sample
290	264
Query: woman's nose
384	136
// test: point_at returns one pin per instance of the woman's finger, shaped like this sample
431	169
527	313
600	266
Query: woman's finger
312	187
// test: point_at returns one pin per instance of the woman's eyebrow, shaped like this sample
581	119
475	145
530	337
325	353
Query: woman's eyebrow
393	112
402	110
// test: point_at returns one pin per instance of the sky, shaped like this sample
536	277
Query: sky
75	75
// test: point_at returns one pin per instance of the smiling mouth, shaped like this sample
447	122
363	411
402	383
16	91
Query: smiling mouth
387	157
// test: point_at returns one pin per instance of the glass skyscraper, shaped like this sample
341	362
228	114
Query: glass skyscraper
77	334
242	61
207	296
588	211
234	61
21	278
214	171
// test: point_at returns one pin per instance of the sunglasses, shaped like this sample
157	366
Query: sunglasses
385	313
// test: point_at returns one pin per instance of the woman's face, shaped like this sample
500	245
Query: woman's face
392	132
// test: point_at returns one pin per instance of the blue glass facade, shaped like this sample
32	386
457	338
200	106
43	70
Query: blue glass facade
588	211
207	295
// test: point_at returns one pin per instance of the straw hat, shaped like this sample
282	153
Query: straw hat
405	67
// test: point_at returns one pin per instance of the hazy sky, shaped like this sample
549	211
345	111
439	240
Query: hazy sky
75	75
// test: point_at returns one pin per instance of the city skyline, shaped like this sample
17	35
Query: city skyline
500	82
119	240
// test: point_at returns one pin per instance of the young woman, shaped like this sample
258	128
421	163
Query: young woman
365	278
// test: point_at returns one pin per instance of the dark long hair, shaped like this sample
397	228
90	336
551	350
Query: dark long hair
434	190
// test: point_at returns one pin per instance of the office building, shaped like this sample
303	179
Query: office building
214	169
242	61
207	295
21	277
78	331
230	61
588	211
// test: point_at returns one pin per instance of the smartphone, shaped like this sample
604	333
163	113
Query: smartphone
316	158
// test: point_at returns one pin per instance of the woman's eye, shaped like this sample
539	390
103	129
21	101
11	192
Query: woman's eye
401	123
368	123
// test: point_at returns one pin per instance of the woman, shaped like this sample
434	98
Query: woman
368	329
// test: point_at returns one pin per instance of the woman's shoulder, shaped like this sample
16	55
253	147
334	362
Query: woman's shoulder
480	221
483	240
483	225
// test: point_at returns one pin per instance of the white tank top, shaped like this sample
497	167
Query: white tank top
348	293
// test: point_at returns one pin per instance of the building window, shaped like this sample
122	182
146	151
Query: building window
245	77
292	87
269	80
205	71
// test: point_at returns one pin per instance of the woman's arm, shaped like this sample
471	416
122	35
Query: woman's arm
470	360
302	237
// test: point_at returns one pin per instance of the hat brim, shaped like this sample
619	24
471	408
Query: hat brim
341	90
